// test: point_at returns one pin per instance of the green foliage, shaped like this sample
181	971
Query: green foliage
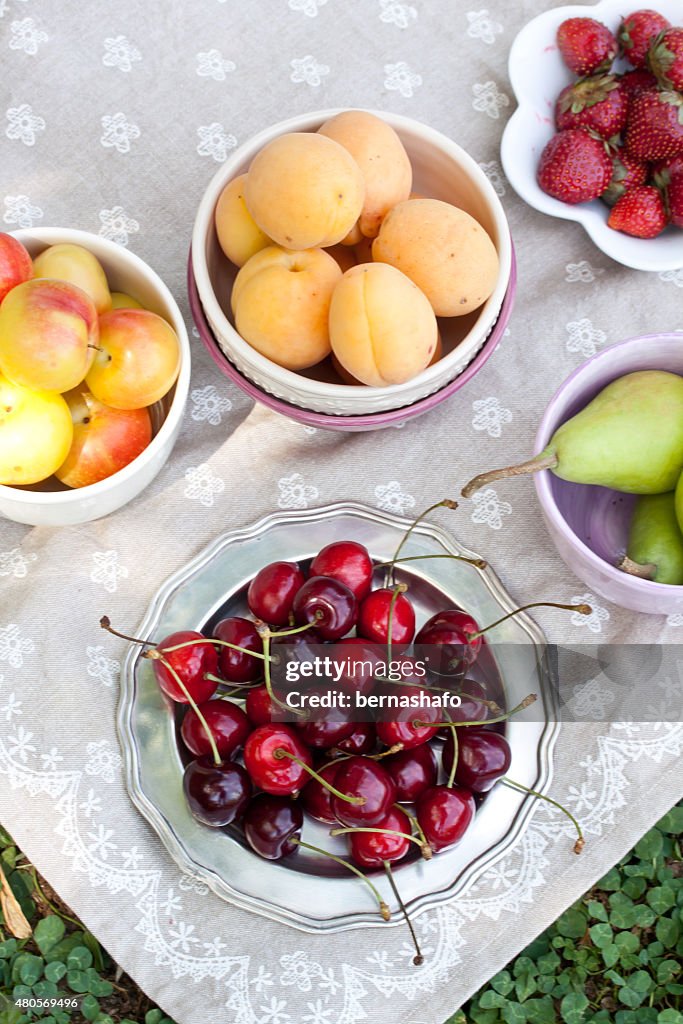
613	958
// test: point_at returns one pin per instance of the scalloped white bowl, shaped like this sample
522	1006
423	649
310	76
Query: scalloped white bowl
537	74
441	169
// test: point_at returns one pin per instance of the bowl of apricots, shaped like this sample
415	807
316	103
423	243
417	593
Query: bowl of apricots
350	264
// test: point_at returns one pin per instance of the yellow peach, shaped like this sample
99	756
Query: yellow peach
238	235
36	431
137	359
382	328
383	161
444	250
304	190
281	299
73	263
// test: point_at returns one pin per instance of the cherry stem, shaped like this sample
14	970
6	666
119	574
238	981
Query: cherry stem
279	753
490	704
415	825
383	907
580	842
582	609
529	699
106	624
456	754
190	700
444	503
418	959
426	851
548	461
400	588
290	632
478	563
266	677
386	753
644	571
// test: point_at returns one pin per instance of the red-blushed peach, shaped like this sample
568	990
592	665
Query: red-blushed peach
73	263
35	431
383	161
47	333
16	265
344	255
104	439
348	378
137	359
281	300
239	236
119	300
444	250
382	328
304	190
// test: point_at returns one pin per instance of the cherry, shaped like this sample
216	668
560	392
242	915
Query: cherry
190	663
324	733
373	617
454	630
272	591
328	605
239	666
228	724
372	849
347	561
259	707
316	798
271	823
266	760
361	741
413	772
444	815
403	729
483	758
471	708
217	794
361	777
360	660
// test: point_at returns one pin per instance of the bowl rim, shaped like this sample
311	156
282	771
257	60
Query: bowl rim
542	480
639	255
330	421
309	122
24	495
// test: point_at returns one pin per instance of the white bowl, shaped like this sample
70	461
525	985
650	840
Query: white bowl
538	73
49	503
441	170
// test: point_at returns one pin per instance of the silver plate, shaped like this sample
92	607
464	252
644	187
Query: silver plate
302	890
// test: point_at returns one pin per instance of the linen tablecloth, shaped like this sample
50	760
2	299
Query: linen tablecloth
114	117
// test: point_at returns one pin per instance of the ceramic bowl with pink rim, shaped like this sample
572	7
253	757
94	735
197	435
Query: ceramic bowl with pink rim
442	170
353	424
588	524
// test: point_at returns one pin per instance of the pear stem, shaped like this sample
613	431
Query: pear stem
418	958
542	461
281	753
383	907
580	842
582	609
644	571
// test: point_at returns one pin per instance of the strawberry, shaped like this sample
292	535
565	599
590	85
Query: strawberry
668	176
574	166
665	58
637	32
627	174
633	82
598	102
655	125
674	200
640	212
672	167
586	45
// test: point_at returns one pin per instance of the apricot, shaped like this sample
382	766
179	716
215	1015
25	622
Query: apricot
281	300
36	432
16	265
383	161
73	263
120	300
348	378
304	190
382	328
444	250
238	234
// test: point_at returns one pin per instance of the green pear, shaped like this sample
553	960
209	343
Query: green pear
678	501
629	438
655	541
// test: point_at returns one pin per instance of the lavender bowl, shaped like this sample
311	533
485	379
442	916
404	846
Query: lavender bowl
361	422
588	524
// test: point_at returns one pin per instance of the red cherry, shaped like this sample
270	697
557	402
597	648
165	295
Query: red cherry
483	758
270	771
413	772
227	722
259	707
271	823
328	605
191	663
373	617
324	733
347	561
361	741
453	631
361	777
272	591
217	794
372	849
471	708
445	815
360	660
236	666
316	798
402	728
